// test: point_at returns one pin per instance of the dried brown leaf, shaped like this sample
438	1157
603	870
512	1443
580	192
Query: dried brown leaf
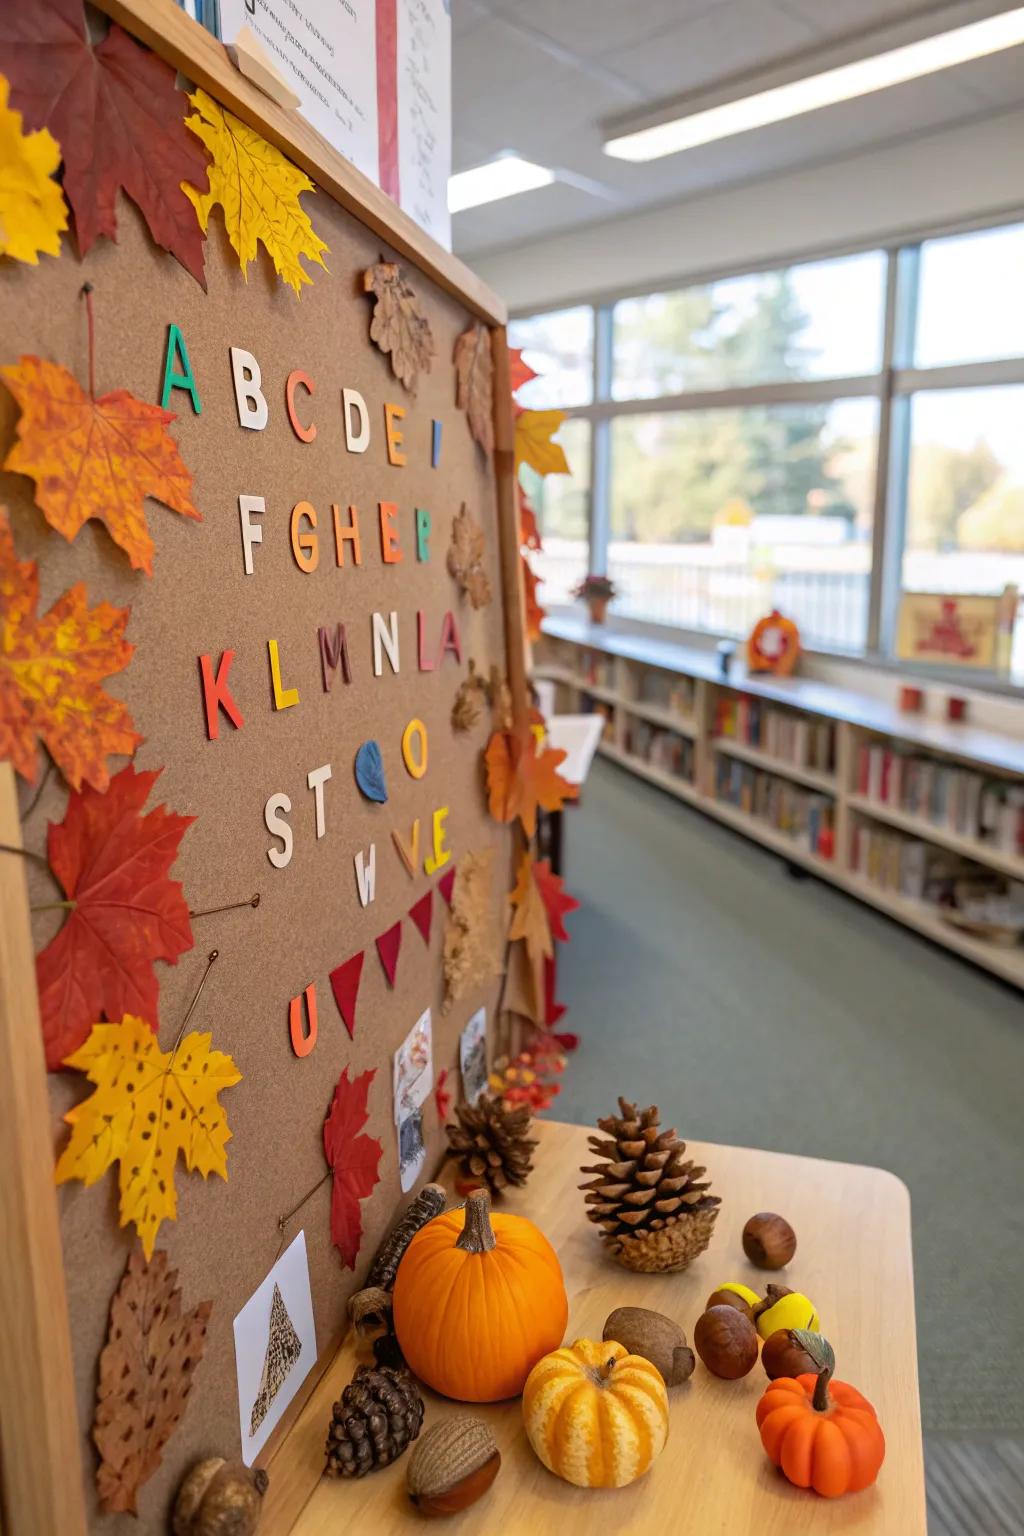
474	383
471	942
399	326
145	1377
466	554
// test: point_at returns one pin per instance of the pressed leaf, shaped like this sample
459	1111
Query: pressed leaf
354	1160
149	1107
471	940
145	1376
466	554
112	861
258	191
474	376
534	431
118	117
399	327
95	458
521	778
51	671
32	210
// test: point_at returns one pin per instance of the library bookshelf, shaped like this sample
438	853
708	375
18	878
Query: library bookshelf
898	810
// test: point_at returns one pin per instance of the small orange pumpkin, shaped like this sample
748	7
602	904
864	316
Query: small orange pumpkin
478	1299
773	645
822	1433
596	1415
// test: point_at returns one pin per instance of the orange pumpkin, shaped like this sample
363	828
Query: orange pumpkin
595	1414
478	1300
822	1433
773	645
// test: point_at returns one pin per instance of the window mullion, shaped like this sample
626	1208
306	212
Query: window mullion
600	442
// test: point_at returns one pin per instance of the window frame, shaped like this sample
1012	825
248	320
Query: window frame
893	387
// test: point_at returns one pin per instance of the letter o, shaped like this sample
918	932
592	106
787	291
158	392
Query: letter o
415	761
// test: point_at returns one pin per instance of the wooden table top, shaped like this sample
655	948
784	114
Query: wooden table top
853	1260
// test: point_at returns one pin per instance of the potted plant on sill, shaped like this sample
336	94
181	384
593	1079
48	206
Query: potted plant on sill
597	592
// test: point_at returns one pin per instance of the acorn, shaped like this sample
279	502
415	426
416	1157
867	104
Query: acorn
783	1355
783	1308
454	1464
726	1341
656	1337
732	1294
768	1240
219	1498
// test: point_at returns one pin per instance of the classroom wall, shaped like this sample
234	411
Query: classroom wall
959	173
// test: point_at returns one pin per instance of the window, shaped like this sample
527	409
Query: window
750	431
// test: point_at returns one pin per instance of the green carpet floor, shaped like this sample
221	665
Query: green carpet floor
787	1015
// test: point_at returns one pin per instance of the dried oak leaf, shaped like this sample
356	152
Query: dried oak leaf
471	946
118	117
354	1160
32	208
466	554
51	670
474	383
529	914
557	901
149	1107
399	327
95	458
534	431
521	373
521	777
523	992
112	862
533	613
145	1376
467	707
258	191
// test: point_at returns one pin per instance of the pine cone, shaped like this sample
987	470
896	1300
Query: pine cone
380	1412
646	1198
491	1143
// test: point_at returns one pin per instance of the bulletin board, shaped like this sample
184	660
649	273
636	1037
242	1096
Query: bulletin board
257	605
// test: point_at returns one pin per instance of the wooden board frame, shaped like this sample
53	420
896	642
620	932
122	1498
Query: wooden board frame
41	1488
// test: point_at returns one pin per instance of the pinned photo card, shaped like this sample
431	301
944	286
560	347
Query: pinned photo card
275	1347
413	1079
473	1056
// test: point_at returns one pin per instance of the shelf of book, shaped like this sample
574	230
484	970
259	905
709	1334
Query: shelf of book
666	718
918	826
1005	962
826	782
660	776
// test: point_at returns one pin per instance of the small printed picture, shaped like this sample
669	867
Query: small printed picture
413	1081
275	1347
473	1056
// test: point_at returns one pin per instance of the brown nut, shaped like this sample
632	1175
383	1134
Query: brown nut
655	1337
454	1464
723	1298
218	1495
726	1341
768	1240
782	1355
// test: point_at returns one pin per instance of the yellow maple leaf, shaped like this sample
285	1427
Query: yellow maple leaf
258	189
150	1107
32	209
534	431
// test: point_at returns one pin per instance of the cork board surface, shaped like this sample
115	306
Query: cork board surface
226	1236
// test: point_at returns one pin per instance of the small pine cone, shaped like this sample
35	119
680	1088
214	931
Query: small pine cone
379	1414
490	1140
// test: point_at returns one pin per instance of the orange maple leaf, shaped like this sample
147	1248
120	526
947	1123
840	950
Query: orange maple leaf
520	778
529	533
95	458
50	675
534	613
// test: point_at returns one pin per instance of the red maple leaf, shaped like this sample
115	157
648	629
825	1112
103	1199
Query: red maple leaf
112	862
118	117
529	533
534	613
354	1160
442	1095
557	901
521	372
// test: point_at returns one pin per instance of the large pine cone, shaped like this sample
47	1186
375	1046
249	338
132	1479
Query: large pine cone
647	1197
491	1142
380	1412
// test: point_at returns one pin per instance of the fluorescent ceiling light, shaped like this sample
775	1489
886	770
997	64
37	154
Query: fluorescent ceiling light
844	83
503	177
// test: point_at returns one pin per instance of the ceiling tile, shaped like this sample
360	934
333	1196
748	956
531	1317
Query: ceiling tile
593	27
734	35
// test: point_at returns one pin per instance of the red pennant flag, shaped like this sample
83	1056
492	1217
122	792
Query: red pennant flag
388	946
553	1011
345	986
421	914
446	884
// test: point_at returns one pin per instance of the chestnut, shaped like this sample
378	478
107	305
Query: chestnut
768	1240
726	1341
726	1297
784	1355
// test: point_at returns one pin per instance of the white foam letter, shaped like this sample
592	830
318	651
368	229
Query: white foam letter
385	638
252	533
366	875
316	779
272	815
352	400
252	407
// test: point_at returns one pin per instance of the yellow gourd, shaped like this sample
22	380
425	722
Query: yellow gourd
596	1415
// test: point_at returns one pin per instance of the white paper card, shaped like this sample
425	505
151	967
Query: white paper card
413	1079
275	1347
473	1056
425	113
327	51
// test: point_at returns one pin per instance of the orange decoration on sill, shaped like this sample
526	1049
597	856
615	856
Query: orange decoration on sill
774	645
